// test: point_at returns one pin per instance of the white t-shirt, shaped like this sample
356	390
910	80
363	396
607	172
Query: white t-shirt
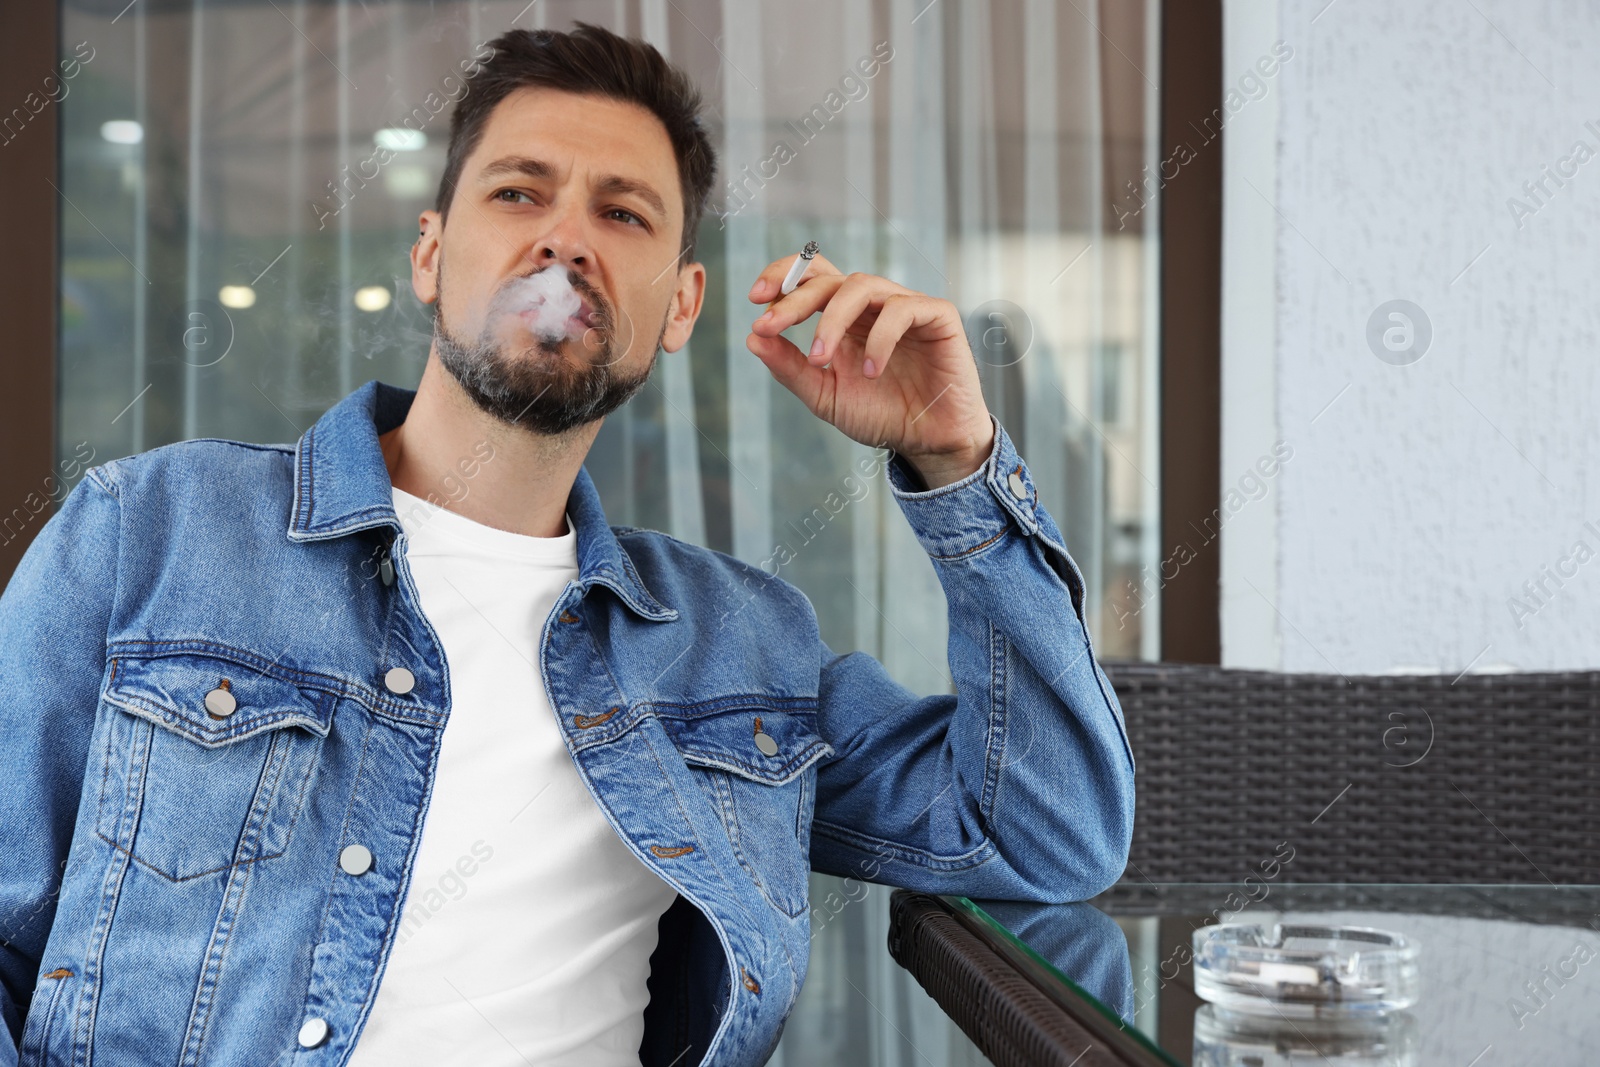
528	928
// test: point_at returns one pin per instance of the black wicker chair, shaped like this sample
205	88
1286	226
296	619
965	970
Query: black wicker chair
1487	778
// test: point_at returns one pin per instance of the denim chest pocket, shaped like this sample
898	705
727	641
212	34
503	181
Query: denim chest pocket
758	763
206	762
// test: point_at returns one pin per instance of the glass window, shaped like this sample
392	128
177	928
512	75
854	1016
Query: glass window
234	262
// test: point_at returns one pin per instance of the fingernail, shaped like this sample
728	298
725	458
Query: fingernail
765	315
757	289
817	347
869	368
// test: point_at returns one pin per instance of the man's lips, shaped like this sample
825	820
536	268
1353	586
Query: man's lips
585	319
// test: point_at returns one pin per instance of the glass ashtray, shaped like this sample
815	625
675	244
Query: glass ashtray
1304	970
1223	1038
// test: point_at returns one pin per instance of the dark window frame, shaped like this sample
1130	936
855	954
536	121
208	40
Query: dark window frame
29	279
1191	329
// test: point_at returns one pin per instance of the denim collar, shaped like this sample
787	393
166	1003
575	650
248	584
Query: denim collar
341	485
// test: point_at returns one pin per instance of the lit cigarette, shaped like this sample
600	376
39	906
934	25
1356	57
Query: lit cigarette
796	272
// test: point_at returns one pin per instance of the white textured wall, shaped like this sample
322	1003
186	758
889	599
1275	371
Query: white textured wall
1420	498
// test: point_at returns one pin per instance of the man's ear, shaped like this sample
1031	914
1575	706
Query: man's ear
685	309
425	257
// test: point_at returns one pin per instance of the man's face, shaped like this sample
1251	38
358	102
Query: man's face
587	184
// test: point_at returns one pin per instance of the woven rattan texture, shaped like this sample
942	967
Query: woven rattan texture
1005	1015
1540	904
1487	778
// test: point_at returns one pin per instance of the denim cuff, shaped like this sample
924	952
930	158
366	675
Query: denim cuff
964	516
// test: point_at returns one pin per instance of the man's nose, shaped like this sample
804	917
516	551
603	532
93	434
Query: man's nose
565	242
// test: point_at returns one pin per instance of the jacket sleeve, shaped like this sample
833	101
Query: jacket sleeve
1019	786
54	615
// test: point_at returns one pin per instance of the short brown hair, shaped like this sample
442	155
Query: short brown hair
589	59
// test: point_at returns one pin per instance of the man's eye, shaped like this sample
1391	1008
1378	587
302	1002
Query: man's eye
514	192
628	214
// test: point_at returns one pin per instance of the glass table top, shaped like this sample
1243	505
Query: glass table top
1508	974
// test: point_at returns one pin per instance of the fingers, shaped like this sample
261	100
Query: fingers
788	365
848	304
771	277
900	313
855	296
842	299
811	294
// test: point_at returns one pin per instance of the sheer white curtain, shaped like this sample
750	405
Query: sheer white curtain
686	515
909	180
978	162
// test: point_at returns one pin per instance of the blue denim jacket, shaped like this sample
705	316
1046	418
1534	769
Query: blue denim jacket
198	711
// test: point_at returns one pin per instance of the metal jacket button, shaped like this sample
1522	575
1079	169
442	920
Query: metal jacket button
766	744
399	680
355	859
1018	489
219	702
386	568
313	1032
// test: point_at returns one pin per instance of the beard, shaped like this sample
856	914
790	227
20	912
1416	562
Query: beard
541	387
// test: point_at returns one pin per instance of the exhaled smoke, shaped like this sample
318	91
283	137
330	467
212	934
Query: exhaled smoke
541	390
547	298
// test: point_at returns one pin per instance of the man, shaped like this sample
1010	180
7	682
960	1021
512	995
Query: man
302	765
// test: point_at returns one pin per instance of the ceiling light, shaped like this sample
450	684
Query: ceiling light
236	296
372	298
400	139
122	131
